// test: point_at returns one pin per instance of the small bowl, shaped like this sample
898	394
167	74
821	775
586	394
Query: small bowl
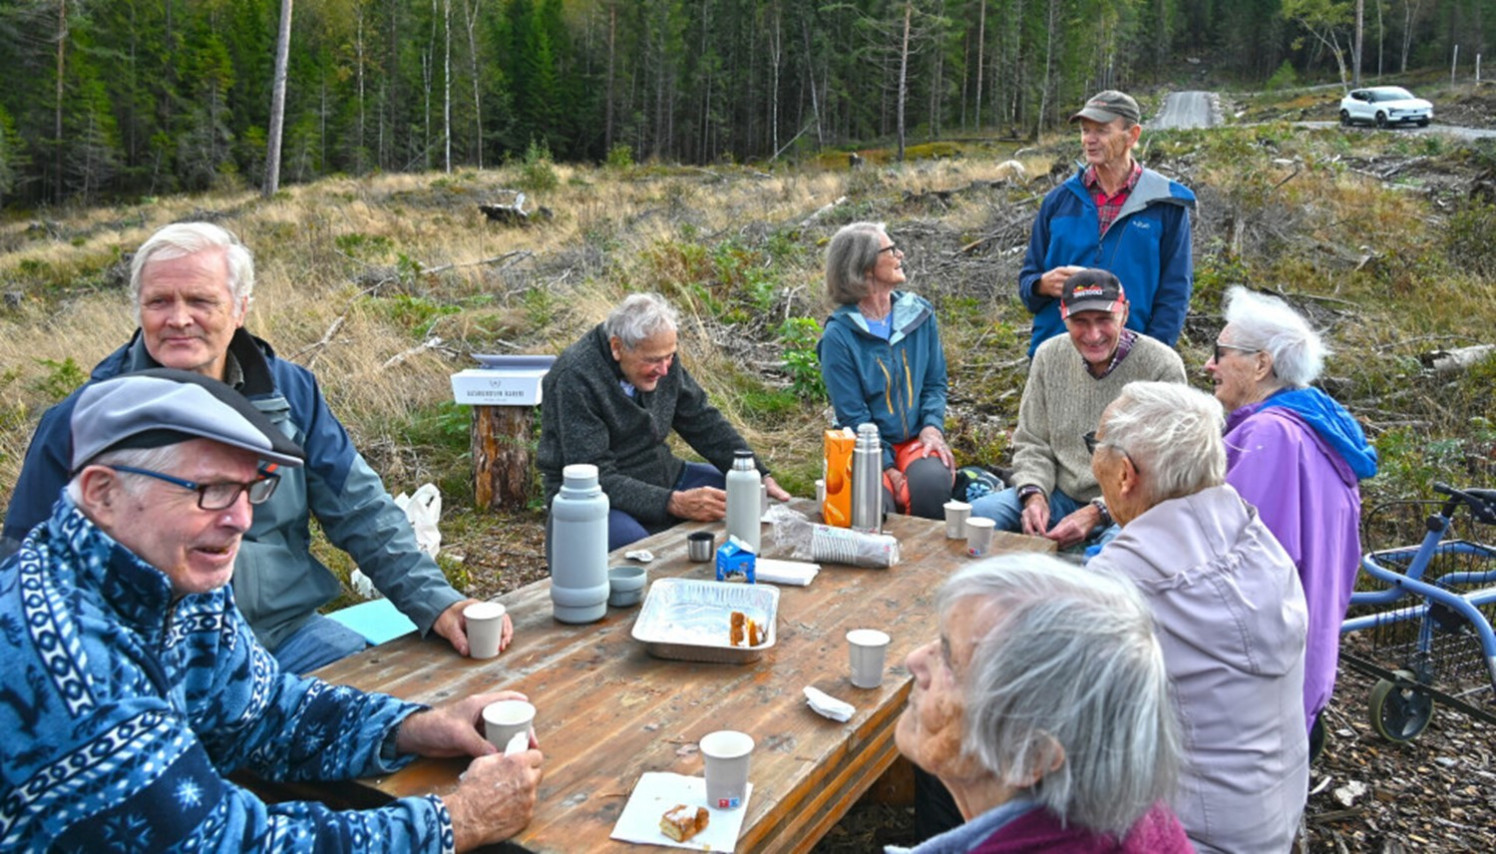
626	585
700	545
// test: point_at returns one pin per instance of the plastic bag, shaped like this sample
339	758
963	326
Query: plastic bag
803	539
424	510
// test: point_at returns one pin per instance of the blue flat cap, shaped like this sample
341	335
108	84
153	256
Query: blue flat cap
164	406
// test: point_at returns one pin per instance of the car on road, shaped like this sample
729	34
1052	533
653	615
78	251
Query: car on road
1383	106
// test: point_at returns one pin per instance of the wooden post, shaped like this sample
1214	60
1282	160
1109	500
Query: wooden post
501	455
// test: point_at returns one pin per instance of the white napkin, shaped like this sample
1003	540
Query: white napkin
791	572
641	555
519	744
828	706
658	791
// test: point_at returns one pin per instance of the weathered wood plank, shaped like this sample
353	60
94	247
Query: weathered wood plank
500	443
608	712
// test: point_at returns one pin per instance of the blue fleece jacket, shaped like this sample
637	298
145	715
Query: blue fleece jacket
1147	248
898	384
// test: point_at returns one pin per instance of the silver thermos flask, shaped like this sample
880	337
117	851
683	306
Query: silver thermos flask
867	481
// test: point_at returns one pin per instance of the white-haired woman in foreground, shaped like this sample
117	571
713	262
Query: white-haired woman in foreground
1230	613
1044	708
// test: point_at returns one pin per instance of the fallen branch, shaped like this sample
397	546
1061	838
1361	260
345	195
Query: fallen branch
428	344
822	211
430	271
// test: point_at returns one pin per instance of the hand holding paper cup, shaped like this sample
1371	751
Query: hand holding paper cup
485	627
506	719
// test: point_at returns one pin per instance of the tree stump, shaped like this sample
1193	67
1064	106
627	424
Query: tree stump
502	456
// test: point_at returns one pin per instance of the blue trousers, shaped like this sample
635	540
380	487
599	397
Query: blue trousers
1006	510
624	529
321	641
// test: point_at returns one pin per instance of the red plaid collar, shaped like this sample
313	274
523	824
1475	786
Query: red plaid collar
1107	207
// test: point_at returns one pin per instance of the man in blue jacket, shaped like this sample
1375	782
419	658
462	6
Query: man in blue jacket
192	283
1117	216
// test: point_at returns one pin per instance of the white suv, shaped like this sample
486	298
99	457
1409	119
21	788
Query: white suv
1385	105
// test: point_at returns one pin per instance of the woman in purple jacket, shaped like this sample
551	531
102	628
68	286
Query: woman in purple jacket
1044	708
1297	455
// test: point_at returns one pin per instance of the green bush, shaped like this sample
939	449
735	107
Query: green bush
620	156
1284	78
536	174
799	336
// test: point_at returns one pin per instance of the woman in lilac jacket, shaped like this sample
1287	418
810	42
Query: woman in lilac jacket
1297	455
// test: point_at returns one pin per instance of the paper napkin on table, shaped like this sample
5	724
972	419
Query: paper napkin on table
827	705
658	791
791	572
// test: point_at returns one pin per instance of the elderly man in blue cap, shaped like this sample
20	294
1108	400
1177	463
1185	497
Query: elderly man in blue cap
131	686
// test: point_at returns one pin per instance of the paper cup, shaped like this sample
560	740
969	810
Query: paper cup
505	719
820	493
485	625
956	514
726	753
978	535
868	648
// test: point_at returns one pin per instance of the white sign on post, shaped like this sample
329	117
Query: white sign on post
502	381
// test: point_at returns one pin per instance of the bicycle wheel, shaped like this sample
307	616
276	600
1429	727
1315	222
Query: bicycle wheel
1400	711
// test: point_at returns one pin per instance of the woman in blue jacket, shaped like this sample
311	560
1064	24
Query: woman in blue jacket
882	363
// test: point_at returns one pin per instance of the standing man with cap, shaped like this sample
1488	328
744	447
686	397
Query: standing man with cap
1118	216
1071	381
192	283
131	686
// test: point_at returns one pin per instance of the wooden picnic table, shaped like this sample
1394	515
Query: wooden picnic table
608	711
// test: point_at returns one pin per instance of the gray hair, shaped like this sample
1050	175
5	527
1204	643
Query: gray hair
1173	434
852	254
1070	662
162	458
1269	324
640	317
181	239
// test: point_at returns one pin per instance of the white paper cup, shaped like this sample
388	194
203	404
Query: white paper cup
868	648
505	719
956	514
979	535
726	753
485	625
820	493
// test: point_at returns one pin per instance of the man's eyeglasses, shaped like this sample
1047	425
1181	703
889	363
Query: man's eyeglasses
890	248
1092	443
1220	347
221	495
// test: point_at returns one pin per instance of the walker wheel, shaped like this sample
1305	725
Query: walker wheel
1400	711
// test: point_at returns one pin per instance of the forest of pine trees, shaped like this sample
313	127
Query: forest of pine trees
115	98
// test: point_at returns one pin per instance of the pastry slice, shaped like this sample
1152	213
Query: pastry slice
681	822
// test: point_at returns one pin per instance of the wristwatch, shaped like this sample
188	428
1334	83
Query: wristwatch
1106	515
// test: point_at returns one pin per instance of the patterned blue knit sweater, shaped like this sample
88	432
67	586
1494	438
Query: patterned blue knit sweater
122	712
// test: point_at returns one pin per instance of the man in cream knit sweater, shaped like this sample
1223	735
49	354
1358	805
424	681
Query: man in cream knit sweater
1072	379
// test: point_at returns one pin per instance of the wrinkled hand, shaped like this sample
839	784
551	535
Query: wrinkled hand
702	504
495	798
933	443
451	730
1036	514
1076	527
776	491
896	481
1052	283
452	625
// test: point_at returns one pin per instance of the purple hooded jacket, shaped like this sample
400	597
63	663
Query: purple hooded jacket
1297	457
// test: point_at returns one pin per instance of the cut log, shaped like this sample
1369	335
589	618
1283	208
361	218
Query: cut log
502	456
514	213
1463	359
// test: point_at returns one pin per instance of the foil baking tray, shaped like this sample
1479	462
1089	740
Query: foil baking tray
690	620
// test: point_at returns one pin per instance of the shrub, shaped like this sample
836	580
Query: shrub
620	156
536	172
1284	78
799	336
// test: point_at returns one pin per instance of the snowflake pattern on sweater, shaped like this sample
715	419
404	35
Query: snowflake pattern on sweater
122	712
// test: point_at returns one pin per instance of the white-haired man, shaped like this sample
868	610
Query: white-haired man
611	399
132	686
192	284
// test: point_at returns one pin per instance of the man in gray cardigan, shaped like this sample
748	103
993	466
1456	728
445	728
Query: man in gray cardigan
1071	381
611	399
